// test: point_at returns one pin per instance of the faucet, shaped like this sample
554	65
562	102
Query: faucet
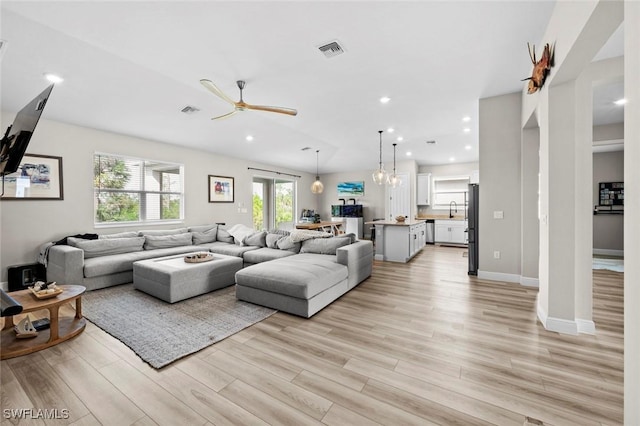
450	204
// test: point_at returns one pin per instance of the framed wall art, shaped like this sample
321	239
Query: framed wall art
39	177
220	189
351	189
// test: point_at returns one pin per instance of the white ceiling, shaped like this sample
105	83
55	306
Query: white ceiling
130	67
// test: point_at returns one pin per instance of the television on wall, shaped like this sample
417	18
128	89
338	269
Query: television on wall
351	189
17	137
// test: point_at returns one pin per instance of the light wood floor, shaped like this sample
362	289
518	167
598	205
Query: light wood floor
415	344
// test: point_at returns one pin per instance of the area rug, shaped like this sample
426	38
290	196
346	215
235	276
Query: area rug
160	332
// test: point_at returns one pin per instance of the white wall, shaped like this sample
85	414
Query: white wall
500	190
27	224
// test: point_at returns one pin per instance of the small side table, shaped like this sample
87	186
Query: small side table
60	329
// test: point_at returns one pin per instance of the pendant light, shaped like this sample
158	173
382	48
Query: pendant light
317	187
394	180
380	176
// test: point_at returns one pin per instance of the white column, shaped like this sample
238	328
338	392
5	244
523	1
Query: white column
631	213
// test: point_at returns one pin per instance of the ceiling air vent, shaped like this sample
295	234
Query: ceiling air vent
306	148
189	109
431	142
331	49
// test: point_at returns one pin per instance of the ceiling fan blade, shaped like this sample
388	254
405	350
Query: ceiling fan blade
280	110
214	89
225	115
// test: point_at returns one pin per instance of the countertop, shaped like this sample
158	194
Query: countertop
394	223
440	217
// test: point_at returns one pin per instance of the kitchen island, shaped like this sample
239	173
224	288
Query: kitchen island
398	241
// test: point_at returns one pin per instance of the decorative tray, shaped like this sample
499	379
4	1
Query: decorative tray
198	257
46	294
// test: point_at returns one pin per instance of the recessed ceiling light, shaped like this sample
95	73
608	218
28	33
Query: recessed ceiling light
466	130
400	139
52	78
385	99
390	130
620	101
409	154
467	147
466	118
452	159
249	138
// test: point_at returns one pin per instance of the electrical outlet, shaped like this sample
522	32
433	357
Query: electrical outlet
498	214
496	254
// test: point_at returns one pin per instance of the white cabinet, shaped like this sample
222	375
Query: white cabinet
451	231
423	195
399	243
352	225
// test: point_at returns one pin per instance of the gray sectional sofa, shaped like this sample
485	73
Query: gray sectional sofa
298	273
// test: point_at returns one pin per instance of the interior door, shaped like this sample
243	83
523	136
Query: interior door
400	198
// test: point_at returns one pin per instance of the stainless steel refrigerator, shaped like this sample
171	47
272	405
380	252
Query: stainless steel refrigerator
474	191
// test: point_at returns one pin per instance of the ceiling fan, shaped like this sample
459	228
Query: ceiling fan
241	105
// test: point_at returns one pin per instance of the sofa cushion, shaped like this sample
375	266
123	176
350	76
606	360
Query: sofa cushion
224	235
257	239
300	276
130	234
324	245
107	265
163	231
228	249
265	254
153	242
106	247
272	240
207	236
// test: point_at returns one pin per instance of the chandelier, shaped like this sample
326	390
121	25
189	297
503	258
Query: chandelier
394	180
380	175
317	187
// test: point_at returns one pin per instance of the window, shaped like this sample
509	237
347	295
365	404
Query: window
447	190
273	203
132	190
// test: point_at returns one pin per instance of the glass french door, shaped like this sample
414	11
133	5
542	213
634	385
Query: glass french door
274	203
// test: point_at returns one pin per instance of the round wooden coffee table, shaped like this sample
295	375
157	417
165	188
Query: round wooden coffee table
61	328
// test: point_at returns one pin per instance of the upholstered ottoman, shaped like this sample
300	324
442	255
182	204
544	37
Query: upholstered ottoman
172	279
301	285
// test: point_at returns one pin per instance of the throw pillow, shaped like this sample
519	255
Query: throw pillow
306	234
205	237
239	232
202	228
105	247
258	239
153	242
272	240
324	245
285	243
224	235
163	231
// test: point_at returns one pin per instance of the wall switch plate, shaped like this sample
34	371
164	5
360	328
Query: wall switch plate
496	254
498	214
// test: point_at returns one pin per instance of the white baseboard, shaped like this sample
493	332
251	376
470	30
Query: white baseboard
564	326
529	282
586	326
498	276
379	257
608	252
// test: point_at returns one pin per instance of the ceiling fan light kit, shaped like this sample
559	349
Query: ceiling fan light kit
241	105
317	187
380	175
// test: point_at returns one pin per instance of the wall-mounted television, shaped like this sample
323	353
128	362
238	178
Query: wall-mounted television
17	137
351	189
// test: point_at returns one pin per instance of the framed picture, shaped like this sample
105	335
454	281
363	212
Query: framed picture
220	189
39	177
351	189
